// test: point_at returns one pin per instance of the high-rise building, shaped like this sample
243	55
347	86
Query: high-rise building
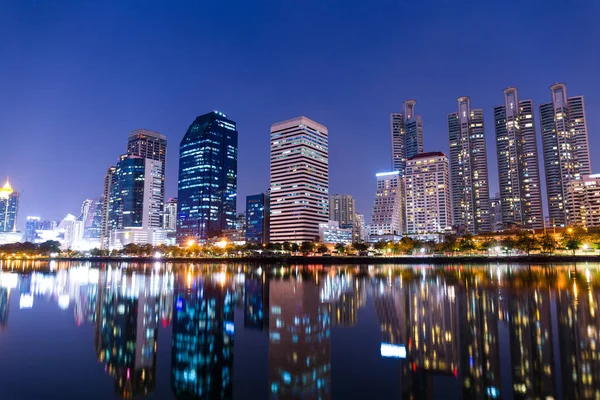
361	232
583	201
257	218
565	146
299	180
468	169
135	202
518	169
342	209
407	135
107	206
207	188
427	189
147	144
170	214
91	215
9	206
386	220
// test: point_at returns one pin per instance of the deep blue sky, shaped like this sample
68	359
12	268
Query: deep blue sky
77	76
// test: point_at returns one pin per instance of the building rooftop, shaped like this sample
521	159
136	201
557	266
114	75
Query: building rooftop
427	155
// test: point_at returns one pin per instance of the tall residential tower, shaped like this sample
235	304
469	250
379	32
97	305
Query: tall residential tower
9	206
518	169
299	180
565	146
468	166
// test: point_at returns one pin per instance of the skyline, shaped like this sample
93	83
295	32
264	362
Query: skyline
63	87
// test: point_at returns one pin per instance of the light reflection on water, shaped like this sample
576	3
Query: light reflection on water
198	331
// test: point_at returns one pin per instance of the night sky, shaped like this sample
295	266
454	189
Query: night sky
77	76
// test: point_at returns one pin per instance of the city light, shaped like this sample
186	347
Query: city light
388	350
191	242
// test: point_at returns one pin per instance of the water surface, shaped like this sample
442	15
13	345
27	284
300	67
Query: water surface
216	331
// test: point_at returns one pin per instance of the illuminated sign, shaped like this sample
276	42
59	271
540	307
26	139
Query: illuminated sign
393	350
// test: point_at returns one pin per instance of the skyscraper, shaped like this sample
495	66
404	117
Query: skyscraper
9	206
135	202
565	146
91	214
427	189
407	135
342	209
386	221
207	188
518	169
257	218
107	206
468	168
299	180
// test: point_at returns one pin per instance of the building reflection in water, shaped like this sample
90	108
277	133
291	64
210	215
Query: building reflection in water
127	330
299	340
4	299
202	341
256	302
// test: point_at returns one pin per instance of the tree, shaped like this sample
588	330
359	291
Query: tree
548	243
358	246
526	242
467	244
573	244
340	248
380	245
294	247
489	244
507	244
449	243
49	246
307	247
322	248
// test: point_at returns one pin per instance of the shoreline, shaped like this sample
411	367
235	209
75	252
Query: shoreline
307	260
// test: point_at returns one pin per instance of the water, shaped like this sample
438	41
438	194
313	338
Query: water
192	331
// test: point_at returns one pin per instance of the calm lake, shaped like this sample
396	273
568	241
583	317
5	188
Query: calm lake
238	331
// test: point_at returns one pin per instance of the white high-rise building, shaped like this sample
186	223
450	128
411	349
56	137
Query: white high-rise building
427	188
170	214
386	223
299	187
407	135
583	201
342	209
565	146
468	169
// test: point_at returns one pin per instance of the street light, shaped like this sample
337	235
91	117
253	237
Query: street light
191	242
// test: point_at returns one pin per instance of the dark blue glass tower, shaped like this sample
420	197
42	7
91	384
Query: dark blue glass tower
257	218
207	178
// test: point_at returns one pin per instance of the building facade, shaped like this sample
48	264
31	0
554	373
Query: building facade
342	209
170	214
386	221
427	189
332	232
496	213
565	146
9	207
583	202
257	218
468	169
518	167
299	180
407	135
207	188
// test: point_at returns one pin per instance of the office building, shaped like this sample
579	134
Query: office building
332	232
147	144
518	169
91	215
108	206
427	189
360	231
299	180
407	135
207	188
583	202
565	146
135	204
468	169
9	207
257	218
386	219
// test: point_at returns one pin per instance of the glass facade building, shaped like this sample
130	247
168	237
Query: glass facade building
207	184
257	218
9	205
